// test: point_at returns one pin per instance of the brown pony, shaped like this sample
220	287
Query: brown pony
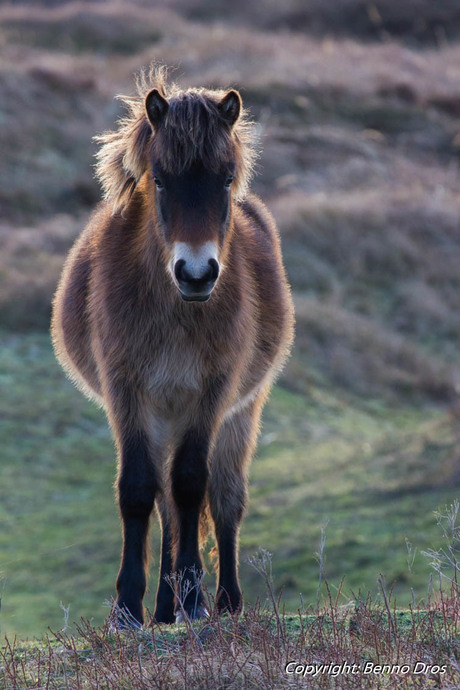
173	313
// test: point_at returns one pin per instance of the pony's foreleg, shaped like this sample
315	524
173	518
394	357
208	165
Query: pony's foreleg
189	474
164	608
232	453
137	486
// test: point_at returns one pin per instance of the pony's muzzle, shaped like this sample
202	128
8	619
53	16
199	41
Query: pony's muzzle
196	286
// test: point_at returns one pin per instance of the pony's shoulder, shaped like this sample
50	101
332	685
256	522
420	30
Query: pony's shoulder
258	218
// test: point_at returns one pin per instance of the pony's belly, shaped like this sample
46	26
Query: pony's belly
256	383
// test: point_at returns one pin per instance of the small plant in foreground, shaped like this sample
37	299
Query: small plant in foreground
446	560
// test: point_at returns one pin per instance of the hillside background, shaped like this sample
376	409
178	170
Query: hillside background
358	105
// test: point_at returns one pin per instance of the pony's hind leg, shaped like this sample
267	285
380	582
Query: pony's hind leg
137	486
164	607
189	474
227	492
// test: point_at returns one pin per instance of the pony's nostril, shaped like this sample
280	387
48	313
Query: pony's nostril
179	270
210	273
214	266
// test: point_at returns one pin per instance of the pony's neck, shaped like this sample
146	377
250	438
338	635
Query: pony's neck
140	216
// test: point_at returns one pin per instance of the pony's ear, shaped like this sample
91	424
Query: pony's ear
156	107
230	107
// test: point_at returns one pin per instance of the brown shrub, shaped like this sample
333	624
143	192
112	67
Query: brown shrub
360	160
364	357
32	259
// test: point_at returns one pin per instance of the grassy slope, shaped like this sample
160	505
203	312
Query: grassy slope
376	473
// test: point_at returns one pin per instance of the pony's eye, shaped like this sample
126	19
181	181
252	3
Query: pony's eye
228	181
158	182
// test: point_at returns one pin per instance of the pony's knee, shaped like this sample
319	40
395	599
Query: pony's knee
136	497
137	480
189	473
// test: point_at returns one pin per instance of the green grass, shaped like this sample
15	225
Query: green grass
375	472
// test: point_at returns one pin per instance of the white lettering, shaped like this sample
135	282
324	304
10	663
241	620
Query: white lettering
345	668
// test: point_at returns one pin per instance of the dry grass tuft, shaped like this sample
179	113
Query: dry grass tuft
253	651
32	259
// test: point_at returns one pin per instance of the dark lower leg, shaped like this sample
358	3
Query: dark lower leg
188	566
131	580
227	498
189	478
164	608
228	595
136	492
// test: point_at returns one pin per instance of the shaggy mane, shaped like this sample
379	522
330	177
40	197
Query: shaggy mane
193	130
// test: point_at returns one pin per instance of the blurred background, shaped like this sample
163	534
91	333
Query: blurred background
358	105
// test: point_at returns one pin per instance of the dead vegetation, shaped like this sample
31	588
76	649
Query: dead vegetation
359	113
341	646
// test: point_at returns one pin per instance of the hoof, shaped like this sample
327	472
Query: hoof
123	619
121	625
163	618
199	612
230	602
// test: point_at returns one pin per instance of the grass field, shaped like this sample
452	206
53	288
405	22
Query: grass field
359	126
377	474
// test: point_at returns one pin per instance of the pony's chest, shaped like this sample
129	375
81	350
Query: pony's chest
175	372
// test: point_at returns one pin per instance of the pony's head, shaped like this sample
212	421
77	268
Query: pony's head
195	149
193	165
